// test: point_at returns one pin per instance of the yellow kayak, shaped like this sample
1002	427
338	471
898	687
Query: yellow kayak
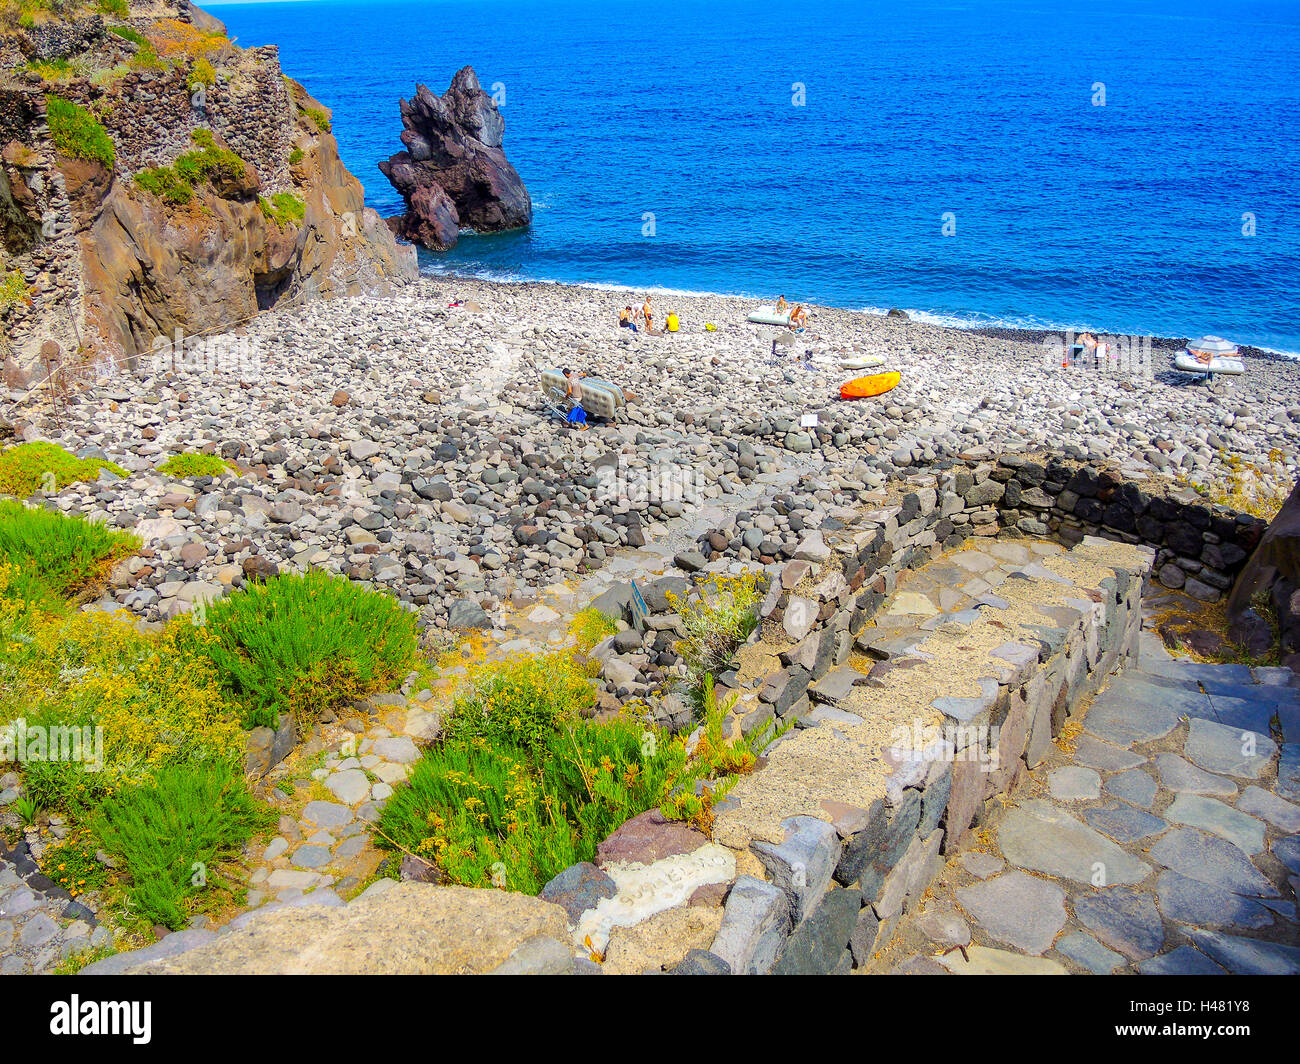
865	387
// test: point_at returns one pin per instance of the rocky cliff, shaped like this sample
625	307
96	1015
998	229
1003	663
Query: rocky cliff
156	178
454	172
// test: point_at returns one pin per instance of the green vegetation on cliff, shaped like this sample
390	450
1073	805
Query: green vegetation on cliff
210	163
320	119
300	644
77	134
14	289
283	208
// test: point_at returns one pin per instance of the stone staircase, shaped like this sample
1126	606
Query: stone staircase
1161	836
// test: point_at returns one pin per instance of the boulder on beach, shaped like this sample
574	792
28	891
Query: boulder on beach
454	172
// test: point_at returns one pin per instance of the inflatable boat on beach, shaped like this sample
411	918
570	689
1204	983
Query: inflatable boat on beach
1209	355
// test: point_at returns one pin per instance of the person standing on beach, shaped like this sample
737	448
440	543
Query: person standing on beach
649	320
577	416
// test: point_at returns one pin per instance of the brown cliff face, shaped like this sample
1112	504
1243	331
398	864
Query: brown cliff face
121	256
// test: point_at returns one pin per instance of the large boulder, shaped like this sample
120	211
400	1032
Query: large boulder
408	929
454	171
1274	570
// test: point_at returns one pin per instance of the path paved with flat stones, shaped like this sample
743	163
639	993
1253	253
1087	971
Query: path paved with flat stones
1161	836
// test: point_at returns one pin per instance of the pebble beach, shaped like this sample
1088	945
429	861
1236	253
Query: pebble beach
404	441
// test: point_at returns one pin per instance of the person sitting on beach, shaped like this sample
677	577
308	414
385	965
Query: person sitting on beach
798	318
781	304
673	322
646	313
625	317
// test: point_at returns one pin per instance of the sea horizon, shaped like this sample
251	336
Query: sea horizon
1019	198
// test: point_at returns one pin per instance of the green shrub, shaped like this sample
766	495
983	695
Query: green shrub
53	69
14	289
503	816
717	620
299	644
186	465
519	704
66	554
176	183
716	762
156	700
116	8
295	156
210	162
590	627
72	864
128	34
283	208
201	73
165	183
77	133
319	119
173	836
40	466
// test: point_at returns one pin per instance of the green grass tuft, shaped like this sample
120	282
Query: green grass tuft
283	208
210	163
185	465
175	834
77	133
299	644
590	627
40	466
59	556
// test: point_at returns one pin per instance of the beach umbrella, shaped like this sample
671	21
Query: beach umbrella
1214	345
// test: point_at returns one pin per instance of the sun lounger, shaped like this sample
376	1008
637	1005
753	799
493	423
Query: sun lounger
615	392
767	315
599	398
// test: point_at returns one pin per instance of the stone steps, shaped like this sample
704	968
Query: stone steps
1190	815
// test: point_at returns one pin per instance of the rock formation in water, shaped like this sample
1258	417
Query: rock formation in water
454	172
155	177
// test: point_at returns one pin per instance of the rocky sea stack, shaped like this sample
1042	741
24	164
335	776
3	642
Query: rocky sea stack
454	172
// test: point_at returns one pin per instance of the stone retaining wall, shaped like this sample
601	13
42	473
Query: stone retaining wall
836	888
1200	547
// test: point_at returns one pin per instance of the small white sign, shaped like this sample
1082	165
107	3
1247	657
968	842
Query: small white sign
808	421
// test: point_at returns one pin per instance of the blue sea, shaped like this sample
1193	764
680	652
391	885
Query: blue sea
1124	165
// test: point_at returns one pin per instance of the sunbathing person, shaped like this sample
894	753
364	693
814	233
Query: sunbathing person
798	318
625	319
781	304
673	322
